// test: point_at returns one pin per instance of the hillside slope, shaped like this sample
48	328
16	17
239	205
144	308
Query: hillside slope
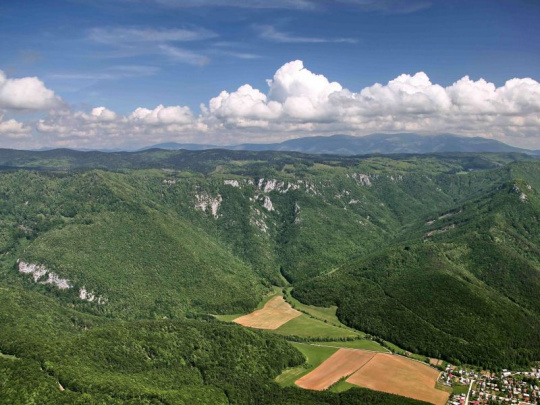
464	285
437	253
101	235
53	354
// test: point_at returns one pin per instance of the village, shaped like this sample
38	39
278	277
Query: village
505	387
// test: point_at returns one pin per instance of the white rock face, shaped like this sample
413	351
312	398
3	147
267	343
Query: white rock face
292	186
297	219
38	271
169	182
233	183
85	295
522	195
258	220
362	179
215	206
205	201
268	204
54	279
270	185
344	193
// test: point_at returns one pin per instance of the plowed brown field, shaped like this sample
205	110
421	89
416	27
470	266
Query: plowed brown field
341	364
275	313
401	376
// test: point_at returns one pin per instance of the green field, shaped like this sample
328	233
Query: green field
327	314
341	386
460	389
315	355
363	344
227	318
398	350
305	326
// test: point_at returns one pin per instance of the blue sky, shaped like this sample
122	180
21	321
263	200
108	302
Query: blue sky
126	54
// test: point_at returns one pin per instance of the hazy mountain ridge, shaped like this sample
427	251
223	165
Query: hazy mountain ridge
370	144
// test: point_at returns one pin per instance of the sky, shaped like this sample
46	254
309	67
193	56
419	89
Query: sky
106	74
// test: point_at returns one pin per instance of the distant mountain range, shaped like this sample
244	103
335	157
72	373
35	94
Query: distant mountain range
375	143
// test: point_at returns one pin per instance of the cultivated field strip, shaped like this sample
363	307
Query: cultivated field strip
275	313
341	364
401	376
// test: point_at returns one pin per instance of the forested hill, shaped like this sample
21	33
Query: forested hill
437	253
205	161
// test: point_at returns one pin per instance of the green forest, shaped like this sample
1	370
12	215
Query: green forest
114	265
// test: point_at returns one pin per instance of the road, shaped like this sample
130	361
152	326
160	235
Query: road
469	393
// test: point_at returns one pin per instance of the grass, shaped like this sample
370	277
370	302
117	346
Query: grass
227	318
315	355
341	386
460	389
443	387
327	314
305	326
399	350
362	344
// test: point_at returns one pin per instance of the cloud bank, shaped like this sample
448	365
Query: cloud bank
297	102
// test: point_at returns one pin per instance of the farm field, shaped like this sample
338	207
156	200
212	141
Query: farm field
315	355
305	326
275	313
341	364
327	314
401	376
435	362
231	317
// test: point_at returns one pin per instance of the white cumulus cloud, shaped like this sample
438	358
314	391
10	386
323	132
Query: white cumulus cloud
13	129
162	115
27	93
302	101
105	128
299	102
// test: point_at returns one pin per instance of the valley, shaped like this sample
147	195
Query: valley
345	359
161	271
